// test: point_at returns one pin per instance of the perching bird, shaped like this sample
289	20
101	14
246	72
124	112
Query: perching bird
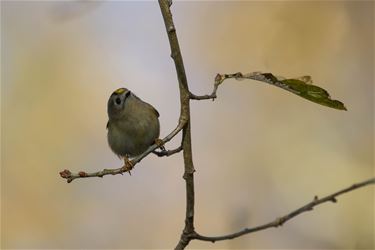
133	125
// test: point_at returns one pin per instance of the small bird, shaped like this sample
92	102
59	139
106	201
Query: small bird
133	125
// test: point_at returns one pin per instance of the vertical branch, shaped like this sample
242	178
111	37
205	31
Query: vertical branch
184	117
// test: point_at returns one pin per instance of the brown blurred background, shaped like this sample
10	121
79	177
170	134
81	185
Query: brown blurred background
259	151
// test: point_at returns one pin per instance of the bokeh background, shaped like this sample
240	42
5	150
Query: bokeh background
259	151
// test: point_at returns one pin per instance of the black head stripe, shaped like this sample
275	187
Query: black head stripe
127	94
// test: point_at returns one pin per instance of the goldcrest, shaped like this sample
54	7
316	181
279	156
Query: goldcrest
133	124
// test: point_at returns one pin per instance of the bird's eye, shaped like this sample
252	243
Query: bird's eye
118	101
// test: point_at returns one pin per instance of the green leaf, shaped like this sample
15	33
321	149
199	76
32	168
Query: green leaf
300	86
313	93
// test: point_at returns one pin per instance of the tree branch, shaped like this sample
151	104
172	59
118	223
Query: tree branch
185	114
300	86
219	79
168	152
69	176
281	220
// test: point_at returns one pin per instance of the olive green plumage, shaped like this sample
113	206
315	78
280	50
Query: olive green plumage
133	124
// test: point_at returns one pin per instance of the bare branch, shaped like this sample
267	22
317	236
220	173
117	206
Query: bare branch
185	114
168	152
69	176
218	80
281	220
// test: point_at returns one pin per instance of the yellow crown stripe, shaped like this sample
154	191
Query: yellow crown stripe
120	91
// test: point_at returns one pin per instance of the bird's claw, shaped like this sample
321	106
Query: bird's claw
159	142
128	165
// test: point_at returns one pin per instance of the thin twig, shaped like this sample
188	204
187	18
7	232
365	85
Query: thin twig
69	176
218	80
168	152
281	220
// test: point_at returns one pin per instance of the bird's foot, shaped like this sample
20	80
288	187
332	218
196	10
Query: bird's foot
128	165
160	143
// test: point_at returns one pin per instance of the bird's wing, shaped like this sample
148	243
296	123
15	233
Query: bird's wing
149	105
152	109
155	111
